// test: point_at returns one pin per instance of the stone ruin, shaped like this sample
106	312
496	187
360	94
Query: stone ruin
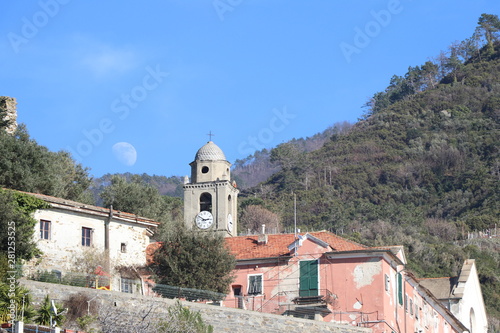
8	114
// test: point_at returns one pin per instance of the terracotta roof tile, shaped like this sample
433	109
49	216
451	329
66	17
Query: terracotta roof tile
150	251
247	247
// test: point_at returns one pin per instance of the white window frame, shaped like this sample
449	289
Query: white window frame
261	284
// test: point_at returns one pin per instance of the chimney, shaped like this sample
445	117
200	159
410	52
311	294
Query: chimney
262	240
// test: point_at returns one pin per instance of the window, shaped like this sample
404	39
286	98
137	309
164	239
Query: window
406	303
127	286
86	236
204	169
411	307
123	248
387	283
255	284
416	310
206	202
44	229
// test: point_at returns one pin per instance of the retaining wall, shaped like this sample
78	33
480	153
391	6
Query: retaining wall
127	308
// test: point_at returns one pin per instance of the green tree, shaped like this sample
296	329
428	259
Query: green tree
137	197
21	298
192	259
16	233
287	156
16	221
27	166
489	25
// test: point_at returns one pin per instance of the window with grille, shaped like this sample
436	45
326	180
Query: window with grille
255	284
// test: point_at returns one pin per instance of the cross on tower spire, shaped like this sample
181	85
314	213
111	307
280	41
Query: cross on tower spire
210	135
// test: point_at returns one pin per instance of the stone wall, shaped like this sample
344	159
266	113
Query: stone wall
125	308
8	112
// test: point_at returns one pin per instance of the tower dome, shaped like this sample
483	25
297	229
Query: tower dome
210	152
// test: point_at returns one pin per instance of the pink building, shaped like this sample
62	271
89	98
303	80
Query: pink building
322	276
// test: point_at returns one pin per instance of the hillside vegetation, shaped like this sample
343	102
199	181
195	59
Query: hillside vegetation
421	169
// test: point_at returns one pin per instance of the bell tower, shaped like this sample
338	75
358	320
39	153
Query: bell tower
211	199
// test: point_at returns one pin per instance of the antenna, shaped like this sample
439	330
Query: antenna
54	309
295	220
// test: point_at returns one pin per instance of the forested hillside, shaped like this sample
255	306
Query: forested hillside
258	167
170	186
421	169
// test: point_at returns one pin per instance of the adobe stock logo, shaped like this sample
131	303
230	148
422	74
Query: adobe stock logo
363	37
121	107
31	26
223	6
265	136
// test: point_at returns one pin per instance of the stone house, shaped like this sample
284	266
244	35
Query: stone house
323	276
114	242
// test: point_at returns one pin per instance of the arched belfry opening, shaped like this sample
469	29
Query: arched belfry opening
206	202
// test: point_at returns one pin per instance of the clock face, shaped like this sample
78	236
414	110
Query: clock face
204	219
230	223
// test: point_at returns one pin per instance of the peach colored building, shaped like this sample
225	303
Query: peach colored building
322	276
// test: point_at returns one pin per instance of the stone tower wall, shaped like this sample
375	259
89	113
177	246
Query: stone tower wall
8	112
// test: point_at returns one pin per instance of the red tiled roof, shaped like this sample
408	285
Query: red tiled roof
247	247
150	251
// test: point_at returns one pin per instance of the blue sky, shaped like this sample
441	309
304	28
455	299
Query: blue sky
158	76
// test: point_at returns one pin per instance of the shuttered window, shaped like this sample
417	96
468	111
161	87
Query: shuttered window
400	289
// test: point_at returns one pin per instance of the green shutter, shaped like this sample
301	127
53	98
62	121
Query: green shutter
308	278
400	289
